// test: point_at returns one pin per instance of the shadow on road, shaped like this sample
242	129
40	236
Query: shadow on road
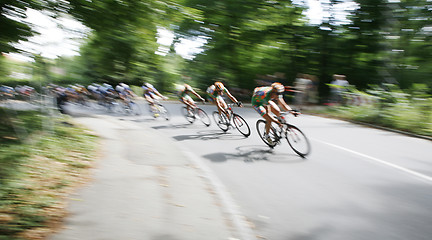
254	153
173	126
209	135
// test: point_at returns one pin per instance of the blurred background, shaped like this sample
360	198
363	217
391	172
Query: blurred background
199	41
366	60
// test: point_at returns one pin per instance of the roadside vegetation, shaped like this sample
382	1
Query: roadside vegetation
408	110
41	161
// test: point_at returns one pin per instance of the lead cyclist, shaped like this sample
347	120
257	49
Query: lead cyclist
265	100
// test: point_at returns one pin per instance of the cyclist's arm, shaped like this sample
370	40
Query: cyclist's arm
284	105
231	96
196	94
158	93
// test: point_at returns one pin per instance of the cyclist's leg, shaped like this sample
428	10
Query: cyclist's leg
189	102
221	105
263	112
150	101
275	108
190	105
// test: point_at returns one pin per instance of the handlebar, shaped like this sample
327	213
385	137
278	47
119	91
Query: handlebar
239	104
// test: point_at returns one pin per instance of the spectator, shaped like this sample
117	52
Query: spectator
301	85
313	89
338	87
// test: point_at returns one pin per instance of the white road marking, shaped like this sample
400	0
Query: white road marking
406	170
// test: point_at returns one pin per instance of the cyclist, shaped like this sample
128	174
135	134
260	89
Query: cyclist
265	100
150	93
124	92
216	91
186	99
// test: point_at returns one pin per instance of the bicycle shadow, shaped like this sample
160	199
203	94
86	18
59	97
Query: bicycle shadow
172	126
255	153
209	135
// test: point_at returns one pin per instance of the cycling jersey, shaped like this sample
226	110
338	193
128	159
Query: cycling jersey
184	93
261	96
215	94
148	89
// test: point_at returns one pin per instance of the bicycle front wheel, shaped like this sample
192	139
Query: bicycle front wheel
189	115
241	125
260	126
297	140
221	121
203	117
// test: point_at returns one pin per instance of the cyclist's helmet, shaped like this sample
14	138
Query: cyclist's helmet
278	87
219	86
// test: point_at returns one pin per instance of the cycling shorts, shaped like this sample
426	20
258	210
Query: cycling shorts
260	109
186	98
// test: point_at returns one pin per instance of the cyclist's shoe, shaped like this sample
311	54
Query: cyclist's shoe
156	115
268	138
191	114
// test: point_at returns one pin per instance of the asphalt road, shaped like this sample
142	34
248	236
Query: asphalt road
358	182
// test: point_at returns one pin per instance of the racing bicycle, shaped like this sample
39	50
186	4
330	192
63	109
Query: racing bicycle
295	137
233	119
196	113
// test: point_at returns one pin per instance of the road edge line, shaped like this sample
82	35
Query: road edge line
228	204
394	166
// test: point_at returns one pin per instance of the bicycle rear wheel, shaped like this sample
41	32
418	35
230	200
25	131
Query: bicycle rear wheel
260	126
189	115
203	116
297	140
241	125
221	121
134	109
163	111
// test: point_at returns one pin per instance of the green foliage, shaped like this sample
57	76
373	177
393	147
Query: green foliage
384	42
36	166
409	110
11	27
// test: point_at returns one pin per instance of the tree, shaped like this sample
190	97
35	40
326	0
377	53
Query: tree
12	26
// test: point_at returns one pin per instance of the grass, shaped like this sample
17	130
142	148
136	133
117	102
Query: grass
408	117
38	168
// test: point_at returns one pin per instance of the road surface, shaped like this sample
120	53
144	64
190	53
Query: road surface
358	182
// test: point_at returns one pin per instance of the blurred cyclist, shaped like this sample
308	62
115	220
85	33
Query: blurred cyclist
186	99
265	100
150	94
216	91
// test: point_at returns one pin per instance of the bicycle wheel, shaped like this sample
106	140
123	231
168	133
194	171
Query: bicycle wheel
241	125
116	107
163	111
221	121
260	126
189	115
134	109
297	140
203	116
